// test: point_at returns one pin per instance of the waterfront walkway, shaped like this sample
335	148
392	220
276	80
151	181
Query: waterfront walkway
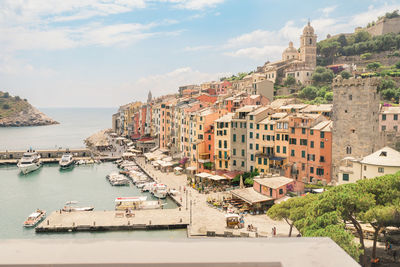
114	220
206	218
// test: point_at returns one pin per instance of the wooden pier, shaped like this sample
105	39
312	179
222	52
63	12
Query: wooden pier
114	220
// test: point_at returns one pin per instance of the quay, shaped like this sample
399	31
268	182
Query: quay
54	155
114	220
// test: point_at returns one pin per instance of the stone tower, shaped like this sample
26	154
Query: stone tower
308	46
355	117
149	97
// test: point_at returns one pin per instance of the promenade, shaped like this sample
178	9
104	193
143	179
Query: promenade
206	218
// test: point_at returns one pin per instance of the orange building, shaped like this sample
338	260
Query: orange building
305	146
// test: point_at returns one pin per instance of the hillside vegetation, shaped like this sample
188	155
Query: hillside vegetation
11	105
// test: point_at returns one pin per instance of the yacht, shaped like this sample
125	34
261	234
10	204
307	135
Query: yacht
66	161
35	218
160	191
29	162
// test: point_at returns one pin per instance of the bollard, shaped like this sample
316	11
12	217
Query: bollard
180	220
47	222
150	222
94	223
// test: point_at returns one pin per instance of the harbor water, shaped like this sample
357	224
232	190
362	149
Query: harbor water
49	188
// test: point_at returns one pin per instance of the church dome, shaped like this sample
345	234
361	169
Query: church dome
308	29
290	49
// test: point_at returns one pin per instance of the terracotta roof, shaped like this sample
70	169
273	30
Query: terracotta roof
250	195
274	182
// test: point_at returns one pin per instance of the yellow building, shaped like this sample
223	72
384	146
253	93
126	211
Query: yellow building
222	144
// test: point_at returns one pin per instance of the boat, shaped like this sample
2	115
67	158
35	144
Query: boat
117	179
69	208
66	161
136	203
148	186
35	218
74	208
29	162
160	190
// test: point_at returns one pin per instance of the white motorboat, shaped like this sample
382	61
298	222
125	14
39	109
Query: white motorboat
71	206
29	162
160	191
148	187
136	203
117	179
66	161
35	218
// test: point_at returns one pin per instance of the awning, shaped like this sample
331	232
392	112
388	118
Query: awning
277	158
203	175
217	178
191	168
250	196
178	169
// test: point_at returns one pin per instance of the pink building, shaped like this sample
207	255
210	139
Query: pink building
389	119
274	187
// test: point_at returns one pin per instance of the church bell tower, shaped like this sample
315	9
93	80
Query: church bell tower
308	46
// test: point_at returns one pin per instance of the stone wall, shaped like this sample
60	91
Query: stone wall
355	118
384	26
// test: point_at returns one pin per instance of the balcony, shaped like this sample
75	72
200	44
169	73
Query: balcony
204	158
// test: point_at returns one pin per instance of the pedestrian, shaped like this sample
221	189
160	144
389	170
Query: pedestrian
386	245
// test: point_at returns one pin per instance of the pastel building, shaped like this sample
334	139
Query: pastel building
381	162
274	187
223	141
389	119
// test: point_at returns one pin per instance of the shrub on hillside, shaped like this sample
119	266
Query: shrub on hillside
6	106
345	74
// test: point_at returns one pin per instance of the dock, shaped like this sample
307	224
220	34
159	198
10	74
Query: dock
155	219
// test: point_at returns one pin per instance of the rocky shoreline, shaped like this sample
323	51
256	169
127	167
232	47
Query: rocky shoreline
28	117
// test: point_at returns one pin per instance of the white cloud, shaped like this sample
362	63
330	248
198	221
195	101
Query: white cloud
197	48
169	82
328	10
195	4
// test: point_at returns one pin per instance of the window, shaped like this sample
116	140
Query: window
265	161
258	126
395	117
252	157
320	172
348	150
251	135
224	132
292	130
226	165
322	145
311	132
280	191
259	161
345	177
322	134
266	127
209	137
278	149
257	146
292	141
381	170
395	128
234	162
220	163
209	147
234	138
312	144
383	117
383	128
303	142
292	153
311	169
219	143
225	144
303	166
251	125
365	167
321	159
303	130
303	154
257	136
278	137
220	154
242	163
243	138
251	118
251	146
243	153
234	151
271	127
284	150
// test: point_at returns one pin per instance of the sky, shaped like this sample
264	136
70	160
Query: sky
105	53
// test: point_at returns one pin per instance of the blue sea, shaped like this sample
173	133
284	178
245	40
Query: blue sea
76	124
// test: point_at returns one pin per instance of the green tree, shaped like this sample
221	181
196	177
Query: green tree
321	92
389	94
345	74
309	92
329	96
398	65
361	36
374	66
290	80
6	106
6	95
17	98
386	83
342	40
